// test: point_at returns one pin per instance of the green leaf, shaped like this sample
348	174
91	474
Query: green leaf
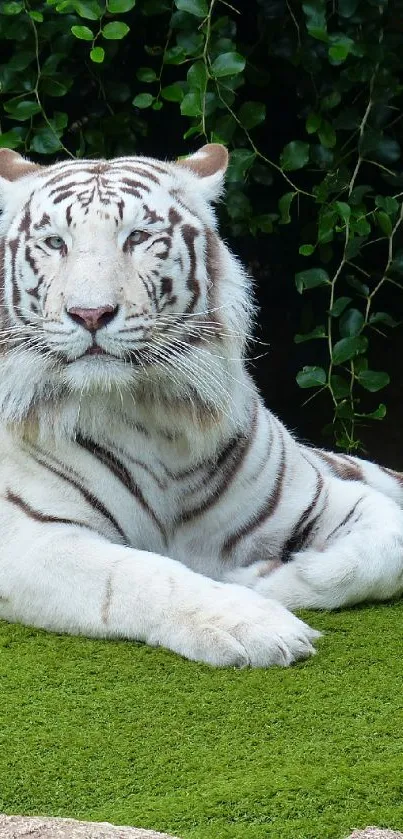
198	8
238	206
12	8
327	222
143	100
327	135
306	250
252	114
119	7
197	76
239	164
387	203
284	205
357	285
115	31
294	155
338	53
191	42
312	123
45	141
379	413
97	55
351	323
343	210
175	55
340	386
311	377
36	16
225	127
146	74
12	139
331	100
84	33
358	194
172	93
318	332
344	410
191	105
311	278
348	348
55	86
90	10
22	109
360	364
262	222
315	13
339	305
384	222
383	317
228	64
354	246
59	121
387	150
373	381
21	59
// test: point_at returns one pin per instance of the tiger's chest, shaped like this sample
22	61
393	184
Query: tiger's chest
129	489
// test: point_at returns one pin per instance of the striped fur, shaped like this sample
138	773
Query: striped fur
146	492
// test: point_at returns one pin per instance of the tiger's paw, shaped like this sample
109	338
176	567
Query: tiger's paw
238	628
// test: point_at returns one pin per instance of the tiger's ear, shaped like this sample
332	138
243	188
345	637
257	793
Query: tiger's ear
13	166
209	164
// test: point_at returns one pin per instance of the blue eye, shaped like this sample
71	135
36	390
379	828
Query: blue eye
54	242
136	237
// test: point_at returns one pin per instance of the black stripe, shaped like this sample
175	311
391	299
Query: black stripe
189	235
303	528
37	515
91	499
341	466
228	463
345	520
266	511
134	184
120	471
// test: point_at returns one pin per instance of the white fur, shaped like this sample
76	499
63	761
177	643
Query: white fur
163	577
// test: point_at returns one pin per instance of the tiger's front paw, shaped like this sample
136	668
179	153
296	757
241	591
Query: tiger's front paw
236	627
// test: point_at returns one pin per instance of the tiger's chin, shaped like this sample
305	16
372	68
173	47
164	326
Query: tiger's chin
98	371
31	382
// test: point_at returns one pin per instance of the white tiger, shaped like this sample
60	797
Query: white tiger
146	492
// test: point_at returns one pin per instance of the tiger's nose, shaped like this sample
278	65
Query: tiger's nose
93	319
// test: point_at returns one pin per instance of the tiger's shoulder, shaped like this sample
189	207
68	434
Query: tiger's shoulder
351	468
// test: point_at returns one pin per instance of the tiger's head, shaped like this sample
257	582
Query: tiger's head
113	276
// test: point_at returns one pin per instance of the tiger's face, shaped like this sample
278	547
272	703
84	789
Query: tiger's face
110	269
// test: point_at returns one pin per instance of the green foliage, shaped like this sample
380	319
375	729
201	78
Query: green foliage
104	77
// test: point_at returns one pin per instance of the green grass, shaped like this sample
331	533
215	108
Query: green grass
123	733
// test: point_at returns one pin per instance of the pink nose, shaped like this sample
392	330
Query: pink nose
93	319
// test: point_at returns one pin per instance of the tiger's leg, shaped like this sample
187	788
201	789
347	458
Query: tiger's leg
66	578
355	555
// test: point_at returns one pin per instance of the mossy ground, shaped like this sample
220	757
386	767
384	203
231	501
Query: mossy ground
120	732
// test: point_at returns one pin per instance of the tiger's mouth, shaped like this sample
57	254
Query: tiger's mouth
95	350
133	357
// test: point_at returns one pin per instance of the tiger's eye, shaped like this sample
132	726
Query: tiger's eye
136	237
54	242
